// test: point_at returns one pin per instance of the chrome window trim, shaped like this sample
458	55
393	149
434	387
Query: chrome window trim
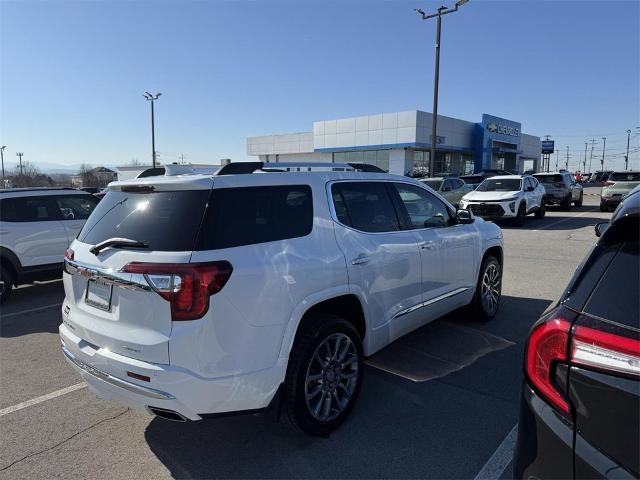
439	298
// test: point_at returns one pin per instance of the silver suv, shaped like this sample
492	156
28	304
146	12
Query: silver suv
562	189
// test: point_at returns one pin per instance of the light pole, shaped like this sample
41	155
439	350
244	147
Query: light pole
593	142
441	11
152	98
626	157
19	154
557	155
566	163
2	157
604	144
584	165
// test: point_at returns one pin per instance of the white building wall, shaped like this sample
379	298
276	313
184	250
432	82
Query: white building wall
369	130
286	143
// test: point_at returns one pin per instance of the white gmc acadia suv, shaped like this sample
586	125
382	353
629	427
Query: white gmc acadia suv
194	295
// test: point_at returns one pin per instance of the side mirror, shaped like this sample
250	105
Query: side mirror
464	216
446	189
600	228
530	189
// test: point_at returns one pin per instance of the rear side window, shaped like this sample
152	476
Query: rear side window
616	295
252	215
625	176
365	206
28	209
165	221
76	207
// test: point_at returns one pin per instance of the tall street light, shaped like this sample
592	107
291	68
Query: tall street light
584	165
2	157
604	144
20	154
152	98
441	11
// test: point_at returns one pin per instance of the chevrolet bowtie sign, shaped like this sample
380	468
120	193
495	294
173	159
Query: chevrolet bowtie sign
503	129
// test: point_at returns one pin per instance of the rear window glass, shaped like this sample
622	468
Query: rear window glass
252	215
166	221
616	296
76	207
549	178
435	184
625	176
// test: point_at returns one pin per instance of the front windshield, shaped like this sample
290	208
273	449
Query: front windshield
499	185
435	184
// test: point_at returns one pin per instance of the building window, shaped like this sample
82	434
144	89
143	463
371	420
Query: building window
467	164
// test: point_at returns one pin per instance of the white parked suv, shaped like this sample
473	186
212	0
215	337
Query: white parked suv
194	295
507	196
36	226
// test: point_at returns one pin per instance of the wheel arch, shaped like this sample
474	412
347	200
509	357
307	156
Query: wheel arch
9	260
339	301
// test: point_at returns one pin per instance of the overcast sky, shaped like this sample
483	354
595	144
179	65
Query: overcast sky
73	73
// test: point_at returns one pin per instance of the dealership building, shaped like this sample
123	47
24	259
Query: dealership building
400	142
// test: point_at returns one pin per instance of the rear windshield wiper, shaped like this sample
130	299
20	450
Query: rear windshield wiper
117	242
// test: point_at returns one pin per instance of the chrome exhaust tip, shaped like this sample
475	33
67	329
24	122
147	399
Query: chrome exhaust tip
168	414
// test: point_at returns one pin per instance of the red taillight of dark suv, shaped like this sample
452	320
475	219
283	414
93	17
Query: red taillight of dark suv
548	345
187	286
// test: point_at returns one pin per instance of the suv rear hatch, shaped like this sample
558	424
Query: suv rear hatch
553	184
113	303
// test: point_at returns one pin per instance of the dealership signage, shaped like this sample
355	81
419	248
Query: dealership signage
495	127
547	146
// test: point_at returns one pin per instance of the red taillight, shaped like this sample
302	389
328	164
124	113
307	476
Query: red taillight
187	286
605	351
548	345
69	254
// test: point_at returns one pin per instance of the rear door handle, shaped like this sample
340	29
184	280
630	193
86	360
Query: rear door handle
428	245
360	260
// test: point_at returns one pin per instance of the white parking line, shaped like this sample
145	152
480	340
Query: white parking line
43	398
566	220
500	459
31	310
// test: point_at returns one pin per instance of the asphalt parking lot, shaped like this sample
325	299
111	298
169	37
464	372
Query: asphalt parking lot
440	403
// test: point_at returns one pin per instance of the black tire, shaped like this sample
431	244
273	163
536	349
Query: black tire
542	211
522	215
479	308
319	329
578	203
603	207
7	279
566	203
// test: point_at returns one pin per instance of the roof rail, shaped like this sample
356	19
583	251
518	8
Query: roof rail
239	168
35	189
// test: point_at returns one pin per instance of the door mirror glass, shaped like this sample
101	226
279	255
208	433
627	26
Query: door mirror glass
600	228
464	216
530	189
446	189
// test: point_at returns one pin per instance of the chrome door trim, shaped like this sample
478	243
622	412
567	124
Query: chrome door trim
444	296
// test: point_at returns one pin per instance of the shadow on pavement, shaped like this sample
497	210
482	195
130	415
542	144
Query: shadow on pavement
444	428
564	222
14	323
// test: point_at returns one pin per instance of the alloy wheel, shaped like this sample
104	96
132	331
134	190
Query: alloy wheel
331	377
491	288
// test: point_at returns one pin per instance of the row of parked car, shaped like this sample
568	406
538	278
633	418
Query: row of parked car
189	296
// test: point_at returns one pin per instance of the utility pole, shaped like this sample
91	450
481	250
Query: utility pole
182	158
434	124
626	157
604	144
2	157
584	165
593	142
557	156
19	154
566	164
152	98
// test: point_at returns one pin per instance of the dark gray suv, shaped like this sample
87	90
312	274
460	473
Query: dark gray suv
562	189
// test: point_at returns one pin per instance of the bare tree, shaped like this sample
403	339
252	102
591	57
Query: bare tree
30	176
89	179
134	162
